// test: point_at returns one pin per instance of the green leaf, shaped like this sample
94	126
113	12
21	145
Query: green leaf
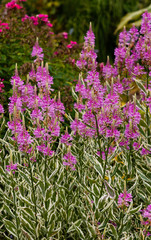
77	223
54	232
148	186
107	206
60	177
135	210
7	200
27	234
29	212
10	227
91	230
114	232
143	177
109	189
131	16
141	130
96	190
55	171
8	210
99	169
80	232
25	200
140	85
28	225
48	193
25	177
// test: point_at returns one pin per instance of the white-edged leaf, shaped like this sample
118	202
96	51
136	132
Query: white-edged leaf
109	189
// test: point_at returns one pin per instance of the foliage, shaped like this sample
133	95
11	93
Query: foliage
133	18
16	46
105	15
91	181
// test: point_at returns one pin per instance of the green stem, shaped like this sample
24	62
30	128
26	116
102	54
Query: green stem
14	200
45	179
122	217
104	170
67	201
98	136
34	195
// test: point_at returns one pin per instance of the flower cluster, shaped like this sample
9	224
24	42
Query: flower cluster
3	26
70	160
95	102
65	35
88	55
38	52
11	167
45	113
71	44
146	214
1	85
13	4
124	199
1	109
132	56
36	20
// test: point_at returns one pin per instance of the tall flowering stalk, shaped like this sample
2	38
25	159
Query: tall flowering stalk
99	106
45	114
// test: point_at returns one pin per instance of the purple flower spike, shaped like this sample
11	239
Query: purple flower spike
11	167
37	52
70	160
124	199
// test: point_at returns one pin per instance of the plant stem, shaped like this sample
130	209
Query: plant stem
14	200
45	177
34	195
104	170
67	199
98	136
120	232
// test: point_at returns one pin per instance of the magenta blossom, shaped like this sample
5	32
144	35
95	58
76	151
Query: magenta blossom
37	52
65	35
70	160
11	167
124	199
13	4
66	139
1	109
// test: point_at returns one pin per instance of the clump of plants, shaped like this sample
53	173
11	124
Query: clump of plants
92	179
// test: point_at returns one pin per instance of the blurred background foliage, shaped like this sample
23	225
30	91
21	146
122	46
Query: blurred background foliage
75	16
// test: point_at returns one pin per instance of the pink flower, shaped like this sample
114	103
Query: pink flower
69	46
1	109
45	150
65	35
25	18
70	160
66	139
11	167
124	199
13	4
3	26
50	25
73	43
144	151
37	52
